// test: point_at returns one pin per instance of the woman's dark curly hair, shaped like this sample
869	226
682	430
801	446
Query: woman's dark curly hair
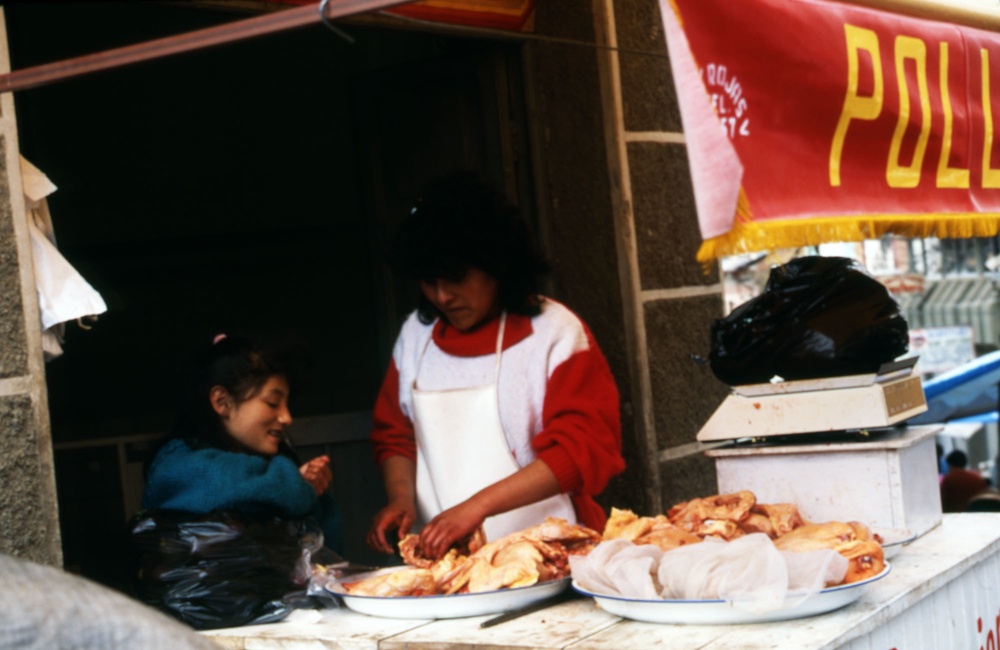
241	366
459	223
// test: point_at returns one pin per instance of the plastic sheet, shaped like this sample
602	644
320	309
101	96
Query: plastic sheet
749	571
968	391
817	317
222	570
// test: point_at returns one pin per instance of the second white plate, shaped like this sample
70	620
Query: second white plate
894	540
713	612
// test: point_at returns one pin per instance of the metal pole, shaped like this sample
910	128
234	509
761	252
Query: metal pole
239	30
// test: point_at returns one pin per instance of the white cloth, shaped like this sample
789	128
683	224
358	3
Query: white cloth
456	425
63	294
748	571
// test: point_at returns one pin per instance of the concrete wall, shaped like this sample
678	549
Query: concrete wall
28	508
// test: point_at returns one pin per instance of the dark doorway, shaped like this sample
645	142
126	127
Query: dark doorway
248	187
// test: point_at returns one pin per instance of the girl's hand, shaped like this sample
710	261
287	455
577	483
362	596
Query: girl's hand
449	527
317	473
398	516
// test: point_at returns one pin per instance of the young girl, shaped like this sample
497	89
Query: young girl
229	450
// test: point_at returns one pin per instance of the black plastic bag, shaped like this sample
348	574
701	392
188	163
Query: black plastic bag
221	569
817	317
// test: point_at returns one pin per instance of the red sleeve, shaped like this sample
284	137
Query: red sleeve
392	431
580	439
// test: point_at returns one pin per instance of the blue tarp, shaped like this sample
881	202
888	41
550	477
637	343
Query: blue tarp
983	418
968	393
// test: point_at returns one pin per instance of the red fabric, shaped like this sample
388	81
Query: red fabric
581	438
778	73
392	431
496	14
483	339
958	487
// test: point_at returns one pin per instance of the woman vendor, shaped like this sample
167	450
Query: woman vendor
498	408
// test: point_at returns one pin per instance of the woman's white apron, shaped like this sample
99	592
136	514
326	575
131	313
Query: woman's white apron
461	449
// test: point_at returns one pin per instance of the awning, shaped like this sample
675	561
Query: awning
969	391
810	121
516	15
315	12
495	14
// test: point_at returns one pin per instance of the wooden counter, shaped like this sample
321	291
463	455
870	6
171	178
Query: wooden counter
943	593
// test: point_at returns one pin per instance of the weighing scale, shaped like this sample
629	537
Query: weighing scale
834	404
791	441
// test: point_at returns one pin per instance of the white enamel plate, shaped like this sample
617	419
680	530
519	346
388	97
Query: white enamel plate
453	606
711	612
894	540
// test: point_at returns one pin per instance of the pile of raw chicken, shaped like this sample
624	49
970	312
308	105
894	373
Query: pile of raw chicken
541	553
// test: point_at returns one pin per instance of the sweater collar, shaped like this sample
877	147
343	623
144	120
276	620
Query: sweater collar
483	339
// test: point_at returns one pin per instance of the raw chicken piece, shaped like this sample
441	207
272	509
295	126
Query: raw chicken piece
521	559
784	517
536	554
451	572
852	539
717	515
574	538
409	548
772	519
826	535
405	582
757	523
658	531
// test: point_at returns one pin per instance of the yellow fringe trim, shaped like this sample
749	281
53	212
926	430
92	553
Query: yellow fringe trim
677	12
748	236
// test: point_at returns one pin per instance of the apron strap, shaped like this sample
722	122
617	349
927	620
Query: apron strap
496	374
499	349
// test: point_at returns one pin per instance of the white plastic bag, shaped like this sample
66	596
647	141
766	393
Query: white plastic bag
748	571
620	568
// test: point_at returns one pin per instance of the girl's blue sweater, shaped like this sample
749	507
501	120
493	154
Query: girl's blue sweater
202	480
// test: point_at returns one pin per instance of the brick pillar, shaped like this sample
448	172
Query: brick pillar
29	521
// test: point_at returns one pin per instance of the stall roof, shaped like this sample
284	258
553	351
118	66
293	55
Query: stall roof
218	35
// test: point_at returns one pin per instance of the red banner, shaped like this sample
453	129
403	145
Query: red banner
515	15
848	123
511	15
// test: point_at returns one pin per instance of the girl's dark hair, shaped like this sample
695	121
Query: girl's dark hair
241	366
459	223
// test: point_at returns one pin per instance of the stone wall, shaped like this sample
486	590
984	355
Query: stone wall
618	203
29	525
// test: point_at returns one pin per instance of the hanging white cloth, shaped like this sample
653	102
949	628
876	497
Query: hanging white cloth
63	294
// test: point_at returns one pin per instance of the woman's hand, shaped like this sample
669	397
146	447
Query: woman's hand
529	484
317	473
398	516
400	476
449	527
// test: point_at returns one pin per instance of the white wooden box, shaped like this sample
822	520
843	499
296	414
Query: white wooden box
889	482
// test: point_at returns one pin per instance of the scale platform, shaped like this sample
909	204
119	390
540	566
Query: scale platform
810	406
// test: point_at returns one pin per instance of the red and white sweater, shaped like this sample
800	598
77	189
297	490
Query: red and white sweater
558	400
